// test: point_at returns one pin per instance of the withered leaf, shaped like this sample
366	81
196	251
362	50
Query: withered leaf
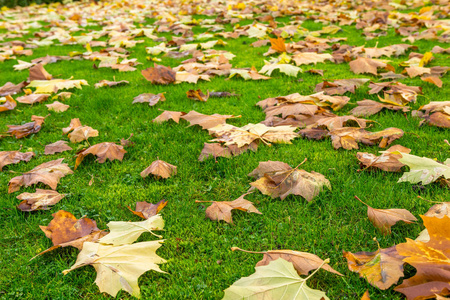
37	72
9	104
278	179
56	147
82	133
439	210
21	131
381	268
103	83
160	168
169	115
146	210
367	65
432	79
10	88
74	123
206	121
367	108
383	219
57	106
32	98
221	210
159	74
215	150
13	157
197	95
48	173
305	58
348	137
41	199
387	161
103	151
149	98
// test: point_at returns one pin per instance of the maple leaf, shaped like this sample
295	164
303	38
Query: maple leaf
387	161
103	83
160	168
197	95
127	232
10	88
206	121
339	87
54	85
303	262
277	280
306	58
366	65
246	135
287	69
9	104
74	123
82	133
146	210
37	72
215	150
278	44
439	210
13	157
56	147
431	259
278	179
48	173
335	122
159	74
367	108
119	267
41	199
169	115
151	99
383	219
57	106
221	210
381	268
33	98
103	151
348	137
423	169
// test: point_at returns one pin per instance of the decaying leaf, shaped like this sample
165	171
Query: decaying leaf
278	179
54	85
151	99
159	74
37	72
146	210
21	131
160	168
423	169
10	88
41	199
206	121
367	108
122	233
197	95
57	106
215	150
221	210
103	83
169	115
381	268
383	219
48	173
387	161
56	147
367	65
431	259
32	98
74	123
13	157
119	267
9	104
82	133
103	151
287	69
277	280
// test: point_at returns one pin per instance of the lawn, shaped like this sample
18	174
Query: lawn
200	263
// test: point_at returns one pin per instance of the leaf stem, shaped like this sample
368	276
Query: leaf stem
247	251
198	201
321	265
356	197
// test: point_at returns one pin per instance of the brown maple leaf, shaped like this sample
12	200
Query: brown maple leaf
48	173
74	123
57	106
348	137
278	179
13	157
339	87
197	95
206	121
21	131
383	219
56	147
215	150
10	88
146	210
103	151
431	259
159	74
82	133
160	168
367	65
33	98
169	115
381	268
149	98
221	210
9	104
103	83
41	199
37	72
387	161
367	108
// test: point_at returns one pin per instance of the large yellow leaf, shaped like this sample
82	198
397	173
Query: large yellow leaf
53	86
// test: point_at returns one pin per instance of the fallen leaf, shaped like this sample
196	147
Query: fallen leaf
159	74
10	88
278	179
103	151
122	233
423	169
287	69
48	173
151	99
363	65
41	199
54	85
74	123
82	133
9	104
366	296
103	83
169	115
387	161
119	267
13	157
37	72
215	150
33	98
367	108
56	147
432	79
160	168
381	268
278	44
146	210
383	219
305	58
57	106
439	210
206	121
197	95
277	280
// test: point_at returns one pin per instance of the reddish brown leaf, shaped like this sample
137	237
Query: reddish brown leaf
13	157
41	199
10	88
151	99
37	72
159	74
197	95
160	168
387	161
146	210
21	131
103	151
9	104
56	147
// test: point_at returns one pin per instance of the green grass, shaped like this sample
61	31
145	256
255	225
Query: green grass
200	263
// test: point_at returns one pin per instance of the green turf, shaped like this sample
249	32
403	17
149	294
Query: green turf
200	263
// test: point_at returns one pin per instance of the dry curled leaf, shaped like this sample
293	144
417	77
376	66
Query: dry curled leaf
82	133
56	147
146	210
197	95
74	123
10	88
48	173
103	151
32	98
387	161
151	99
13	157
57	106
160	168
41	199
169	115
37	72
103	83
21	131
159	74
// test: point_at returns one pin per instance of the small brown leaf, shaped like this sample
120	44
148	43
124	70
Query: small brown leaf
206	121
432	79
215	150
169	115
146	210
82	133
197	95
32	98
367	65
103	151
37	72
159	74
41	199
21	131
74	123
9	104
10	88
387	161
13	157
160	168
56	147
151	99
57	106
